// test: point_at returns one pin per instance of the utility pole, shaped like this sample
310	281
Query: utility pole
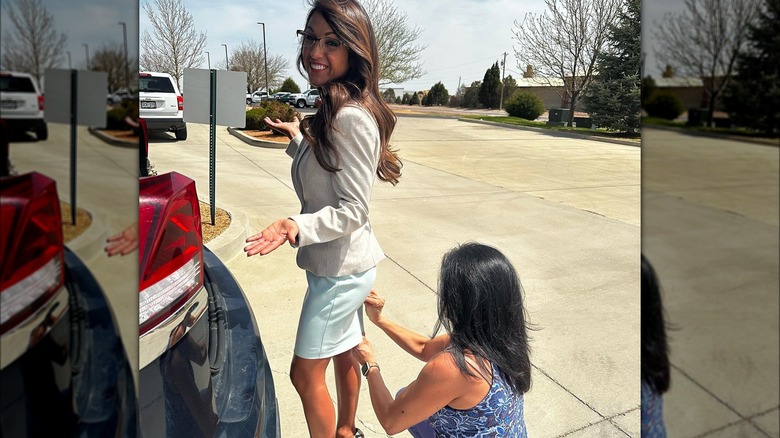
457	90
503	72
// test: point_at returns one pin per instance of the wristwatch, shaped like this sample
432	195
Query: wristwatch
366	367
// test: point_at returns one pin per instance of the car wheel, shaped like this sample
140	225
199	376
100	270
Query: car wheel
301	104
249	101
42	133
181	134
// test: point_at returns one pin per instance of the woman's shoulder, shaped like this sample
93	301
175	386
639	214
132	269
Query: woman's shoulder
354	112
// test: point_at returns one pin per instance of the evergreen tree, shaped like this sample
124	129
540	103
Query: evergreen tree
388	95
510	86
439	94
753	97
405	99
471	96
290	86
415	100
613	99
490	90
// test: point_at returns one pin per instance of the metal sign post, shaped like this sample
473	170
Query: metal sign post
213	144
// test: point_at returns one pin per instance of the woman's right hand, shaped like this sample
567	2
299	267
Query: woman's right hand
374	306
290	129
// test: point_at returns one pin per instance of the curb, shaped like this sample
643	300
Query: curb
255	142
111	140
92	241
230	243
556	133
759	141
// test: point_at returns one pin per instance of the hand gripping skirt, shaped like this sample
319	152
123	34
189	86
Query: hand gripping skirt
330	319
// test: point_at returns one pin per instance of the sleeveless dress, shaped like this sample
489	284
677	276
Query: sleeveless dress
499	414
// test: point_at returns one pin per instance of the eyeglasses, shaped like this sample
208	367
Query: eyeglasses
308	40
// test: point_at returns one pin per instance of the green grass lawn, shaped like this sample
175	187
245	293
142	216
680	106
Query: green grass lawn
740	132
508	120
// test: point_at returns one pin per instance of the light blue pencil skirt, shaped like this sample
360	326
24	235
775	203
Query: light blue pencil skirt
330	319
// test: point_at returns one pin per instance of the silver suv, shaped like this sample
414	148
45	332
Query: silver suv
161	104
21	104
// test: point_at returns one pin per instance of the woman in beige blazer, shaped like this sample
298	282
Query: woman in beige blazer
337	154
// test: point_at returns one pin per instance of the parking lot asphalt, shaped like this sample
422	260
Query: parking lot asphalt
710	229
565	211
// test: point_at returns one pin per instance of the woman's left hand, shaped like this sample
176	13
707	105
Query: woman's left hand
283	230
364	352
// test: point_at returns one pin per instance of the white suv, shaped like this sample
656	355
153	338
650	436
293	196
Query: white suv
160	104
21	103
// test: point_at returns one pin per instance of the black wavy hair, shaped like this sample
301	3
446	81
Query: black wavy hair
655	351
481	307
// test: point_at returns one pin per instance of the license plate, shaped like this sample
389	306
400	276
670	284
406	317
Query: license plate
8	104
148	105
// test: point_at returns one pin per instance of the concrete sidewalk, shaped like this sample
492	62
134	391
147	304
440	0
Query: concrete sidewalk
565	211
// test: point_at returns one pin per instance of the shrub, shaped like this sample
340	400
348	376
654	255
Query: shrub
115	119
271	109
525	105
664	104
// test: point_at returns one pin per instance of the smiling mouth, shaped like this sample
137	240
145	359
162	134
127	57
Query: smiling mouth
317	67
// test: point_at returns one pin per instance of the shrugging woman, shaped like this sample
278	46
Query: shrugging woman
337	153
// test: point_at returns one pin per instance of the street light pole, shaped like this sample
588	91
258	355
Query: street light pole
208	59
70	67
126	62
227	63
86	49
265	61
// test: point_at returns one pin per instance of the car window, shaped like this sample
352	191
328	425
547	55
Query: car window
155	85
18	85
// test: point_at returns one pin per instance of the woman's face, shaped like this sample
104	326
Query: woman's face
322	61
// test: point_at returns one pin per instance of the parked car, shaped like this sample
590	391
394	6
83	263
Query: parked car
204	371
21	103
118	96
161	104
63	369
280	96
302	100
256	97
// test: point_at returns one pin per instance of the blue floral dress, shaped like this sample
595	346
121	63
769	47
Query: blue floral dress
499	414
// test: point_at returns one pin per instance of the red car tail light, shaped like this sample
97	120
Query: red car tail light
31	246
40	103
170	247
180	101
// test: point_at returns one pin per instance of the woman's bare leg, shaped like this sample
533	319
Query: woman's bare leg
308	378
347	372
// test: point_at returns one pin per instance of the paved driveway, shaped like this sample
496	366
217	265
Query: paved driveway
710	211
565	211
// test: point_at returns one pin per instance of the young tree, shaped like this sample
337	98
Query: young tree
705	40
510	87
399	57
438	94
33	44
110	58
249	57
415	99
490	90
426	100
613	99
290	86
471	95
174	43
753	97
389	95
564	42
405	99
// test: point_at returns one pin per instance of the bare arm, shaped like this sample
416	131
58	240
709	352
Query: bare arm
419	346
439	383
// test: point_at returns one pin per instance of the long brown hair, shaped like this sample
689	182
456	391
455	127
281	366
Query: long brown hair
360	84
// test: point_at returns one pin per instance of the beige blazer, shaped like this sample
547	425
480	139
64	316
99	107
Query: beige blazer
335	236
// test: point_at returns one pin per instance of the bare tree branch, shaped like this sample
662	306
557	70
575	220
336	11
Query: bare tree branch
704	41
33	45
565	41
399	57
249	58
110	58
175	44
